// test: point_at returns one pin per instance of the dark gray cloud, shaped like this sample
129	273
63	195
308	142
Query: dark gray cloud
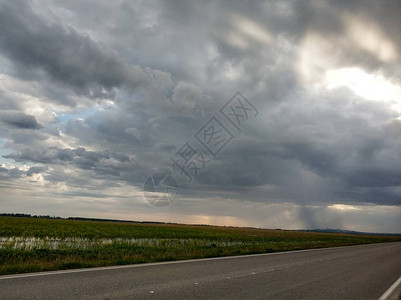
36	170
19	120
12	173
66	55
84	159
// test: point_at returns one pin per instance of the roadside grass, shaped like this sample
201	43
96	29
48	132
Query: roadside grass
34	244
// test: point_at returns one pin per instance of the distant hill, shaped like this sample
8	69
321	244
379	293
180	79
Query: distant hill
330	230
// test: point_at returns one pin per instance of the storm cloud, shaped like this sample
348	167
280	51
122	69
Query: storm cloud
96	96
19	120
64	54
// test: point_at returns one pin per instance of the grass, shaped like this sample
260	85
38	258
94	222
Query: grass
34	244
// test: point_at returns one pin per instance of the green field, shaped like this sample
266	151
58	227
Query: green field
34	244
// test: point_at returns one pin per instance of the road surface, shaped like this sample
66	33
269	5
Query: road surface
354	272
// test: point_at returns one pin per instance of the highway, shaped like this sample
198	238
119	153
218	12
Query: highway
353	272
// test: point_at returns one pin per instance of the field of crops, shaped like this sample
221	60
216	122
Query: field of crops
34	244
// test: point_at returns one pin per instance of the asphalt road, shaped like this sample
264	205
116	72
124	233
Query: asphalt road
355	272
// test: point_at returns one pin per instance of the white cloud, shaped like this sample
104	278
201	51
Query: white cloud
368	86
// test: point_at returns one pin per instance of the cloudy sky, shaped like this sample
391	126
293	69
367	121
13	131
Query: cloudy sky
95	96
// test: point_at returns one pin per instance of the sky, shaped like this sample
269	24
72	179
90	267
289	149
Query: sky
272	114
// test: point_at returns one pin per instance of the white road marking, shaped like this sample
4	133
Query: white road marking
5	277
391	289
152	292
